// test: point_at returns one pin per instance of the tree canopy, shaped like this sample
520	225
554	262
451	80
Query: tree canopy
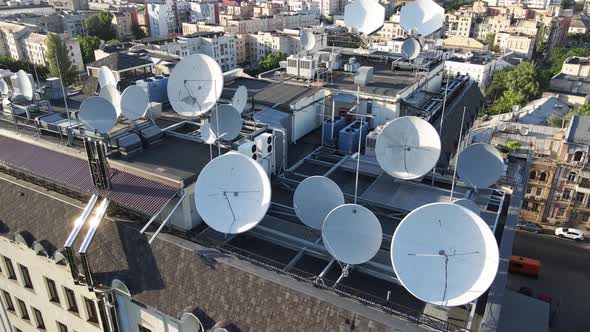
56	50
504	104
270	62
558	121
100	25
513	145
16	65
138	33
88	44
559	54
514	87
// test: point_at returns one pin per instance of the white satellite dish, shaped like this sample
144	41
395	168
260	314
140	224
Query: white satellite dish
232	193
195	85
207	135
307	40
524	131
314	198
421	17
110	93
3	87
352	234
240	99
408	147
468	204
229	121
24	84
480	165
106	77
411	48
98	114
134	102
502	126
444	254
365	16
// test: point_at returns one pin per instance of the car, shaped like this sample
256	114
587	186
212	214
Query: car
530	227
570	233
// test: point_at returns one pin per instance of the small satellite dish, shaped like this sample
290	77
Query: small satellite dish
421	17
408	147
365	16
3	87
195	85
134	102
444	254
502	126
480	165
229	120
515	108
524	131
110	93
411	48
106	77
352	234
240	98
207	135
24	84
468	204
307	40
232	193
98	114
314	198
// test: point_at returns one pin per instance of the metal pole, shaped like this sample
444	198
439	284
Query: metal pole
457	157
62	89
333	117
323	119
166	220
358	162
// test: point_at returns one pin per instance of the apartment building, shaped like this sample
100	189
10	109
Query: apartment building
162	19
70	5
73	24
479	66
236	25
35	48
517	43
460	24
572	84
537	4
122	22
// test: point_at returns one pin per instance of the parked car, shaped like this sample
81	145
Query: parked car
530	227
524	265
570	233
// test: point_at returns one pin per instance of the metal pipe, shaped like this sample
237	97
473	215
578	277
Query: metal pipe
327	268
80	221
95	221
457	158
166	220
299	255
156	215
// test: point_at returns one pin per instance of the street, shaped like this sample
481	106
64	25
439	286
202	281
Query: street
565	276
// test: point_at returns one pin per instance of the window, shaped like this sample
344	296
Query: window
8	301
543	176
91	310
52	290
529	190
533	175
22	307
560	212
579	197
578	155
566	194
539	191
71	300
572	176
61	327
535	207
9	268
38	319
143	329
24	272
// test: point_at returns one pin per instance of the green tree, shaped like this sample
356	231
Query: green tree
137	31
16	65
583	110
498	85
100	25
555	120
88	44
491	42
513	145
504	104
524	81
565	4
270	62
56	50
559	54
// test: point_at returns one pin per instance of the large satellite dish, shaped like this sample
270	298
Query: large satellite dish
195	85
240	99
352	234
110	93
408	147
314	198
468	204
226	122
3	87
411	48
24	84
421	17
98	114
134	102
106	77
307	40
480	165
232	193
207	135
365	16
444	254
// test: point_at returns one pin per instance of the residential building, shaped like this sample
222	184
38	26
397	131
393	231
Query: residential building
11	37
48	23
35	48
236	25
206	12
73	24
122	22
537	4
459	24
479	66
332	7
517	43
463	43
162	19
17	10
69	5
580	24
572	84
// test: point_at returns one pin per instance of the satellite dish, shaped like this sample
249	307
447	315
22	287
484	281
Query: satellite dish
314	198
240	98
307	40
421	17
352	234
106	77
207	135
3	87
98	114
524	131
407	147
229	120
134	102
365	16
502	126
24	84
468	204
110	93
195	85
411	48
480	165
232	193
444	254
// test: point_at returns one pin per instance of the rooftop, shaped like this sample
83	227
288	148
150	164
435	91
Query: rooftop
119	62
579	130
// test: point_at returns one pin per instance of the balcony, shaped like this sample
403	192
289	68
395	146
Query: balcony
583	187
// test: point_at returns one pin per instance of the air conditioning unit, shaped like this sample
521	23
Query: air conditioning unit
249	149
264	144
